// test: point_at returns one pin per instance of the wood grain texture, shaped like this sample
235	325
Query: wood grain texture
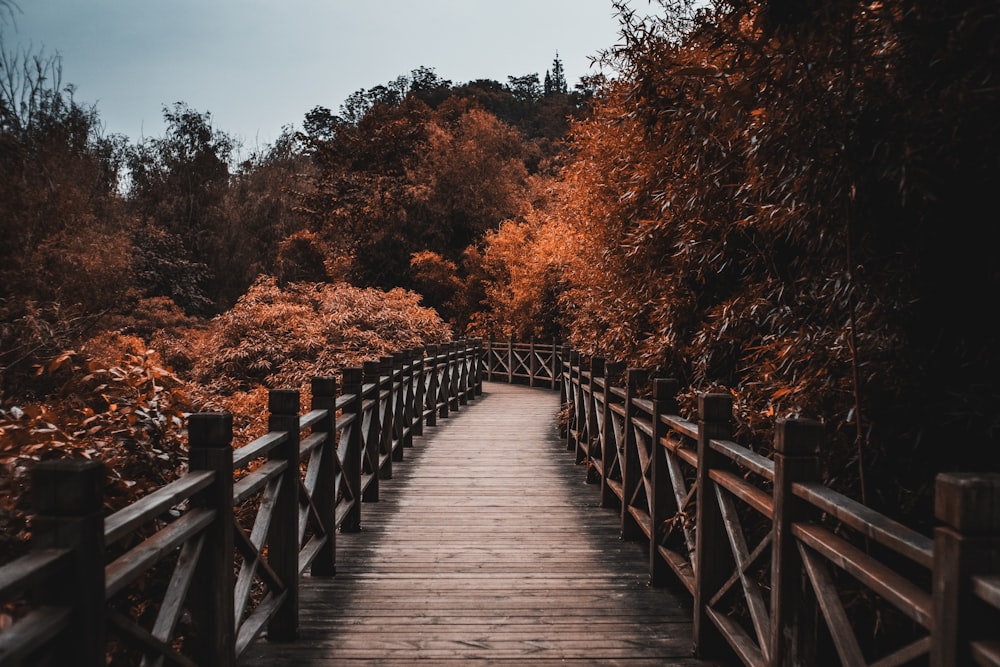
487	547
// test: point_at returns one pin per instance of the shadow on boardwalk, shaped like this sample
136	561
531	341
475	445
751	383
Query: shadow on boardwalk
487	547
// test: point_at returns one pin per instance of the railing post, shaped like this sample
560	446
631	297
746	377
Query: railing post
387	382
593	431
399	403
210	441
510	359
715	414
479	367
351	453
574	400
554	380
445	386
967	544
283	536
418	391
794	612
68	498
609	442
463	374
408	359
455	381
635	378
432	385
375	433
324	397
489	358
532	363
564	366
663	504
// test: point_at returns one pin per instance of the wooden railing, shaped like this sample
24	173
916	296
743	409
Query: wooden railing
192	573
766	551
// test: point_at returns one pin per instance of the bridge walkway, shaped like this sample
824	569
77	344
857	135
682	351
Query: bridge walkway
487	547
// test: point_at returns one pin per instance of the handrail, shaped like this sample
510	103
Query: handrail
712	511
278	502
739	530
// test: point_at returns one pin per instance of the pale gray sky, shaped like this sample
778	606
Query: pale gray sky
258	65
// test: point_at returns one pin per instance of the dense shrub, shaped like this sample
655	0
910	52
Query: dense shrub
284	336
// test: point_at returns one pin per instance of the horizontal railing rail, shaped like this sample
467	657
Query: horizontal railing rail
194	572
768	553
775	562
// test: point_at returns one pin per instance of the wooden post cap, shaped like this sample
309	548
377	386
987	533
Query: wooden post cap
67	487
665	389
353	375
716	407
636	377
283	401
210	429
324	386
798	436
968	502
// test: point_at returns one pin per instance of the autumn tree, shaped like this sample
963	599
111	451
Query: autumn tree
782	204
64	259
406	178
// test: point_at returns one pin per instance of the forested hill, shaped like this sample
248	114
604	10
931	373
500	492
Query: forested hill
788	201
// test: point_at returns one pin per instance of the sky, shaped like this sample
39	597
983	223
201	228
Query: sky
260	65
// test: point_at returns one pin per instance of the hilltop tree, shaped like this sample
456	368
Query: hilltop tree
555	79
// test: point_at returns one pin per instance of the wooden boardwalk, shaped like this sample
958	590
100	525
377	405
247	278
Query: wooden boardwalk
487	547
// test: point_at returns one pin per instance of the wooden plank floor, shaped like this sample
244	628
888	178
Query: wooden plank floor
487	547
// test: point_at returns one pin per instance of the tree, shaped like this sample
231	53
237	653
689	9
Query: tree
555	79
178	183
65	250
526	88
780	205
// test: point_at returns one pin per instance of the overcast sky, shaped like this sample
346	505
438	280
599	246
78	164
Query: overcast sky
258	65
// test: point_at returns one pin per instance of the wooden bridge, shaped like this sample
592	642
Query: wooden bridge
487	546
475	539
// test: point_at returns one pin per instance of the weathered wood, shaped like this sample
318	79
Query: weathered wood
210	437
793	606
899	591
39	628
462	561
635	378
433	388
173	601
283	533
126	520
32	569
878	527
67	497
129	566
324	498
253	482
715	415
352	444
837	622
742	561
967	544
255	449
372	431
609	446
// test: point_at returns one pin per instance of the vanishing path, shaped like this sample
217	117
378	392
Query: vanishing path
487	547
